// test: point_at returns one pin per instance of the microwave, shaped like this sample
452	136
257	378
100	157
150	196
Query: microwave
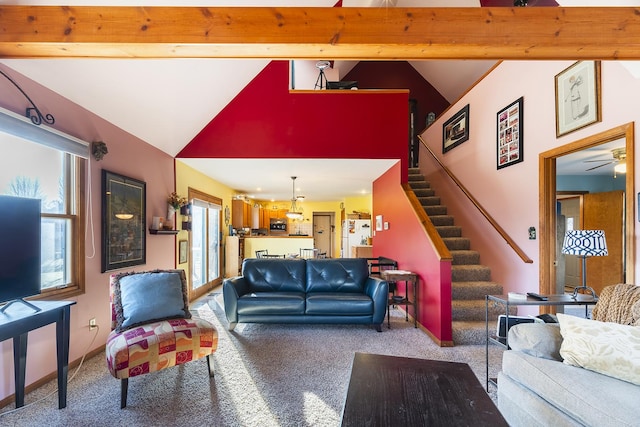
278	226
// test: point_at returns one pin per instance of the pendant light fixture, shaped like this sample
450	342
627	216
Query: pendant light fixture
293	212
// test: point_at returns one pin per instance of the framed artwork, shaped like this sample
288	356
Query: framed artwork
123	219
509	134
378	222
455	131
578	100
184	250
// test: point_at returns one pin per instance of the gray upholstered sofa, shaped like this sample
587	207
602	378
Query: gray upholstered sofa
337	290
536	388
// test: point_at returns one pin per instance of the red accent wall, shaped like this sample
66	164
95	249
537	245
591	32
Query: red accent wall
267	120
400	75
407	242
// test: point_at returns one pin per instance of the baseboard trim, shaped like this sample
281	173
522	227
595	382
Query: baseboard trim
435	339
52	376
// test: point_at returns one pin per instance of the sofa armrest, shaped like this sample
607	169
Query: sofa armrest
537	339
232	289
378	290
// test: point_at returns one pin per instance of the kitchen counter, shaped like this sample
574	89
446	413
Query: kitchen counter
276	245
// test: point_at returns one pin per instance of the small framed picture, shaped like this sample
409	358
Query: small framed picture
378	222
509	134
455	131
578	100
183	246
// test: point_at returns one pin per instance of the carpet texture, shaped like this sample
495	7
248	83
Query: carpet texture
266	375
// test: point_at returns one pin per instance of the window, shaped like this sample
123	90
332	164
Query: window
55	176
205	242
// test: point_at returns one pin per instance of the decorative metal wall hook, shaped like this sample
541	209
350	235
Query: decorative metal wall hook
33	112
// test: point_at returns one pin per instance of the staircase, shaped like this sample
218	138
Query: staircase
470	280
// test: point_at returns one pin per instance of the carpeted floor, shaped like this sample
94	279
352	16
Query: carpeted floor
266	375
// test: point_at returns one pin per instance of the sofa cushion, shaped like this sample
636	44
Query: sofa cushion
144	297
271	303
537	339
337	275
591	398
339	304
605	347
271	275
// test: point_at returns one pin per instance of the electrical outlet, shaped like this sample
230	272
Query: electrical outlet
92	324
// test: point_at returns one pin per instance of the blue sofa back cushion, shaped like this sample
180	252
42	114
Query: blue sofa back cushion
337	275
150	296
272	275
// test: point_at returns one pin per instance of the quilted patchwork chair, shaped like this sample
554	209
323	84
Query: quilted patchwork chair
152	328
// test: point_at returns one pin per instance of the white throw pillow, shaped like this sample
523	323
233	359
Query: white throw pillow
608	348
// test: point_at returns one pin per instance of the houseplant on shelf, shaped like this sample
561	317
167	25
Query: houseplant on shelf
175	203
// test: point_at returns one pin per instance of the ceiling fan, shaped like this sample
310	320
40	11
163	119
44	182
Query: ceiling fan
618	155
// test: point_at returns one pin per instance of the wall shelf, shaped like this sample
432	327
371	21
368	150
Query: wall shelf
152	231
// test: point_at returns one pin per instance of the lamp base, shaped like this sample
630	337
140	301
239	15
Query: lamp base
586	288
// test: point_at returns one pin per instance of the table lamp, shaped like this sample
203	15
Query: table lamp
584	243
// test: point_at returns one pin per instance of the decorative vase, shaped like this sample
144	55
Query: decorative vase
168	223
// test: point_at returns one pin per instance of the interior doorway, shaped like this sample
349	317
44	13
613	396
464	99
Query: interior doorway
323	230
548	203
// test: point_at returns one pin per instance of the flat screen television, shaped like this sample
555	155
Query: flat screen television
347	84
19	249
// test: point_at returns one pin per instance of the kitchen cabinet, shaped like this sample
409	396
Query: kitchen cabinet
278	213
265	218
362	251
240	214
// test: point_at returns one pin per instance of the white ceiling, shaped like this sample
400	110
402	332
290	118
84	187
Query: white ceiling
166	102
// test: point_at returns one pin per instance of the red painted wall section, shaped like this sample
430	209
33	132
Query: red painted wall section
267	120
407	242
400	75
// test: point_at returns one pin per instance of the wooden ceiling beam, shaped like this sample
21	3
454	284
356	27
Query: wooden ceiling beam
320	33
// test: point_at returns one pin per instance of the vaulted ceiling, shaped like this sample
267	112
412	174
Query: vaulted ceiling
166	102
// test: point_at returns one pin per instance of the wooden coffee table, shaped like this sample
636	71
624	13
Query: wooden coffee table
401	391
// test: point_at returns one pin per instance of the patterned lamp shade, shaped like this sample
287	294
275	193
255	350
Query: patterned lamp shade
585	243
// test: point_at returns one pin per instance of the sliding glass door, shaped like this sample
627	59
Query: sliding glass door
205	243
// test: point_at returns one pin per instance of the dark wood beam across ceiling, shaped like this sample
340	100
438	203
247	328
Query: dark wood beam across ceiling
320	33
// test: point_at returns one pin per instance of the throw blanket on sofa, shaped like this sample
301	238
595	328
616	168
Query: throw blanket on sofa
619	304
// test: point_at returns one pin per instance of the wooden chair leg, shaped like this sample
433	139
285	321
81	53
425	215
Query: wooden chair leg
210	364
124	387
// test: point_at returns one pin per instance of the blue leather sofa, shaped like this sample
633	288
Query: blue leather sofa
335	290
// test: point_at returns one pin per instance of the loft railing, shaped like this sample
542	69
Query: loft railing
478	206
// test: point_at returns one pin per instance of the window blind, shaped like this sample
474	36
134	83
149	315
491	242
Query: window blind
21	127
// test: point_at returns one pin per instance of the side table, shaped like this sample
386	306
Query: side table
409	278
16	322
552	300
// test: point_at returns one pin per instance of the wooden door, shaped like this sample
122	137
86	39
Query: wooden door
322	240
570	208
605	211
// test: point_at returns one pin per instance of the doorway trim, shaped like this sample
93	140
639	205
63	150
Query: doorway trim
547	177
